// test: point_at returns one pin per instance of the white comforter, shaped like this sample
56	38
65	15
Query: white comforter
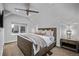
48	39
39	40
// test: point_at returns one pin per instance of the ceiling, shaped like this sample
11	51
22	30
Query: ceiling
57	11
74	8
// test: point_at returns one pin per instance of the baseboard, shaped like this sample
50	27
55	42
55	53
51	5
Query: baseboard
58	46
10	42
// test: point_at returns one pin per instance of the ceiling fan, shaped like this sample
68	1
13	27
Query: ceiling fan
27	10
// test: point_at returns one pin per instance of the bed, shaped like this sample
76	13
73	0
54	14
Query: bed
27	46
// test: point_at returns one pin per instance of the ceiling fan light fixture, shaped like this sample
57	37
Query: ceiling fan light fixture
17	10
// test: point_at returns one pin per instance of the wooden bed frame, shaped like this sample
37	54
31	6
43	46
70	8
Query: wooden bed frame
27	47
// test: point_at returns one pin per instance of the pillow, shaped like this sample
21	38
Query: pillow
49	33
52	32
43	32
40	33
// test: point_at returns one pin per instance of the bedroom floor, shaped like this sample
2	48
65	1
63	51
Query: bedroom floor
11	49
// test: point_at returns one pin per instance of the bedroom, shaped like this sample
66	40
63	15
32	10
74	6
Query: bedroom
51	15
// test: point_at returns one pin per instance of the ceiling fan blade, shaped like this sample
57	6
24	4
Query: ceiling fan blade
20	9
27	10
32	11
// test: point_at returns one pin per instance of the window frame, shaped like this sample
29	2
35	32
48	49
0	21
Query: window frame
19	25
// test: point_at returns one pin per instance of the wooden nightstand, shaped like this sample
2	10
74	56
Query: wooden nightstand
70	44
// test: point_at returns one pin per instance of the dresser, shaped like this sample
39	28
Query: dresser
69	44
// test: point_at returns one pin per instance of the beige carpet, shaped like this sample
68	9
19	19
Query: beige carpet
11	49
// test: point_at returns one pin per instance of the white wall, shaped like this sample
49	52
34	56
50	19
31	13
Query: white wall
1	40
7	26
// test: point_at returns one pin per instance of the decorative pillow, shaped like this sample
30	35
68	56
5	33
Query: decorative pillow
40	33
43	32
52	32
49	33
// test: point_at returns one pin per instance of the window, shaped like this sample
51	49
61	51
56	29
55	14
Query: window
15	28
18	28
22	29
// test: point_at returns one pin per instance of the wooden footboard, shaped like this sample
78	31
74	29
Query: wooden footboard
45	50
25	46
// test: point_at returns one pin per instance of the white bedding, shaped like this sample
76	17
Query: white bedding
39	40
48	39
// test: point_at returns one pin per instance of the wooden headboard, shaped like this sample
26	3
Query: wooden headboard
52	29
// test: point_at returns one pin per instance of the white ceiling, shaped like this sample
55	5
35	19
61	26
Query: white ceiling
57	10
74	8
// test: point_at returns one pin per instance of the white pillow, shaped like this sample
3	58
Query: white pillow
52	32
39	31
43	32
48	33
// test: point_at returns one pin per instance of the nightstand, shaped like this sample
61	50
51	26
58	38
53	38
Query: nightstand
69	44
